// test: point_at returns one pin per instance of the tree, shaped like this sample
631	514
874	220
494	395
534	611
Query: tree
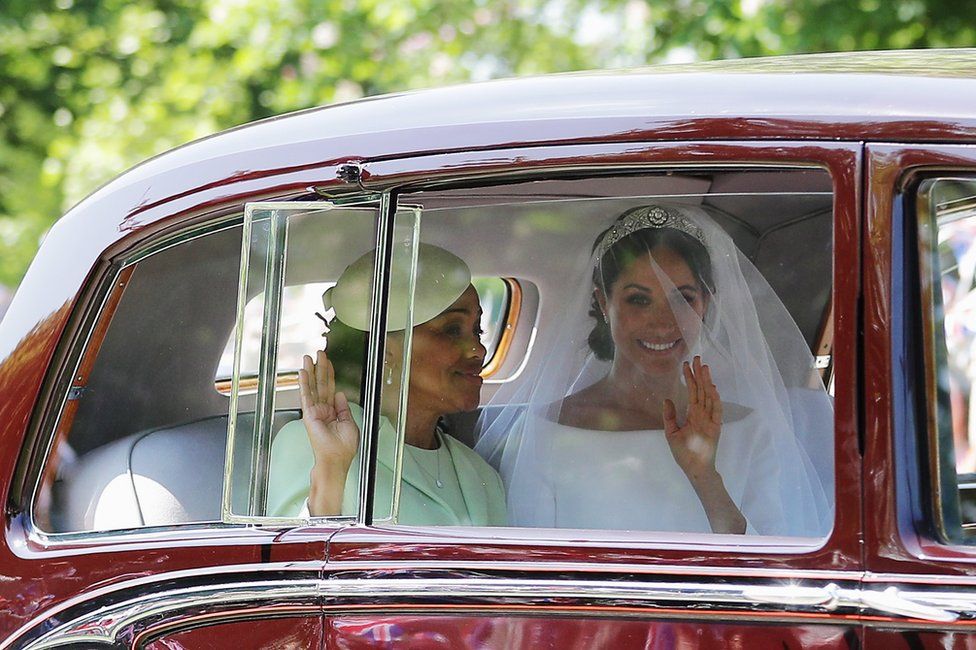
91	87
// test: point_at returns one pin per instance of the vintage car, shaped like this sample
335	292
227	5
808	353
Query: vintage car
150	358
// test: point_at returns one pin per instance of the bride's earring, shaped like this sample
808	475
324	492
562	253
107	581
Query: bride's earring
600	305
389	375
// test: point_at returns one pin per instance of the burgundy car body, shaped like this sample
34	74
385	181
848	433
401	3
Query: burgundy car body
869	119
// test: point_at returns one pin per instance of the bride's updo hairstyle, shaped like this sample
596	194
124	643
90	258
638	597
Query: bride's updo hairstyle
645	238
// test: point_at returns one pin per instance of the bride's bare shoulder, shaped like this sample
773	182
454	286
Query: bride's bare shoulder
581	409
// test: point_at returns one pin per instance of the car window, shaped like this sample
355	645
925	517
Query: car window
567	443
500	299
141	435
588	403
947	247
298	333
293	314
307	282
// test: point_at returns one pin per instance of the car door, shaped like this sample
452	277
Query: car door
118	534
918	327
557	587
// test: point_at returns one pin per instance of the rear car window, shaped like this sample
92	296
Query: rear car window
141	435
305	324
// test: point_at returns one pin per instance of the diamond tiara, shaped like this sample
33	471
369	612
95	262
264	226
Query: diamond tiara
653	216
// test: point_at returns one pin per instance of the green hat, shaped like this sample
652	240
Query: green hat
441	279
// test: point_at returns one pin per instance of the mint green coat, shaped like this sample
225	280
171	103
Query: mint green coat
420	503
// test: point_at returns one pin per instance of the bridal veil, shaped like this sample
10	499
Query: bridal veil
778	418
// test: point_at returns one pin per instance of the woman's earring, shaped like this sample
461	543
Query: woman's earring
389	375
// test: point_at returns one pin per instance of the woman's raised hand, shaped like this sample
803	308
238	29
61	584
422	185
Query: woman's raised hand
332	433
695	442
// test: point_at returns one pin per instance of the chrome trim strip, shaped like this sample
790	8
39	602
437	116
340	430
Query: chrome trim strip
106	624
274	282
295	567
962	601
401	423
899	603
773	592
646	571
376	346
466	167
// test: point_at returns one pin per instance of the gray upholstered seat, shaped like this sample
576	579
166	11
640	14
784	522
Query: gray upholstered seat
165	476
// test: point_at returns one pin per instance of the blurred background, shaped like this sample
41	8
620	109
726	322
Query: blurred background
89	88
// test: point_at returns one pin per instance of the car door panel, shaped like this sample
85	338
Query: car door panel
442	570
904	557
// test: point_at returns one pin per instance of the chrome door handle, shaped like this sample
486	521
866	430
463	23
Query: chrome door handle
892	601
927	607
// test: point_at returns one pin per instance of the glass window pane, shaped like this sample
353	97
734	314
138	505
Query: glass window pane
141	438
295	254
574	435
948	253
495	297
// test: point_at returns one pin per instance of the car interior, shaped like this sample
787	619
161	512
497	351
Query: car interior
148	435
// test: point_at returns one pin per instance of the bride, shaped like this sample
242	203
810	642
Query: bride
681	409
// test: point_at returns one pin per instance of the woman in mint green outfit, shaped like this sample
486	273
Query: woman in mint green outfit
443	481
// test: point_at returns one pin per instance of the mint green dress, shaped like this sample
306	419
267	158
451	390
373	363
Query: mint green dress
470	491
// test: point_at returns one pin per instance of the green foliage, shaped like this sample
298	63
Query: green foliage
91	87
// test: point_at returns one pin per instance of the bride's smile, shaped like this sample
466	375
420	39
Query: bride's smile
658	347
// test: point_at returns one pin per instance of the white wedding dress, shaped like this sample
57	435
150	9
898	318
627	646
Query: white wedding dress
628	480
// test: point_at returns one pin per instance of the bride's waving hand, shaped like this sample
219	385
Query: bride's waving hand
694	444
695	441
